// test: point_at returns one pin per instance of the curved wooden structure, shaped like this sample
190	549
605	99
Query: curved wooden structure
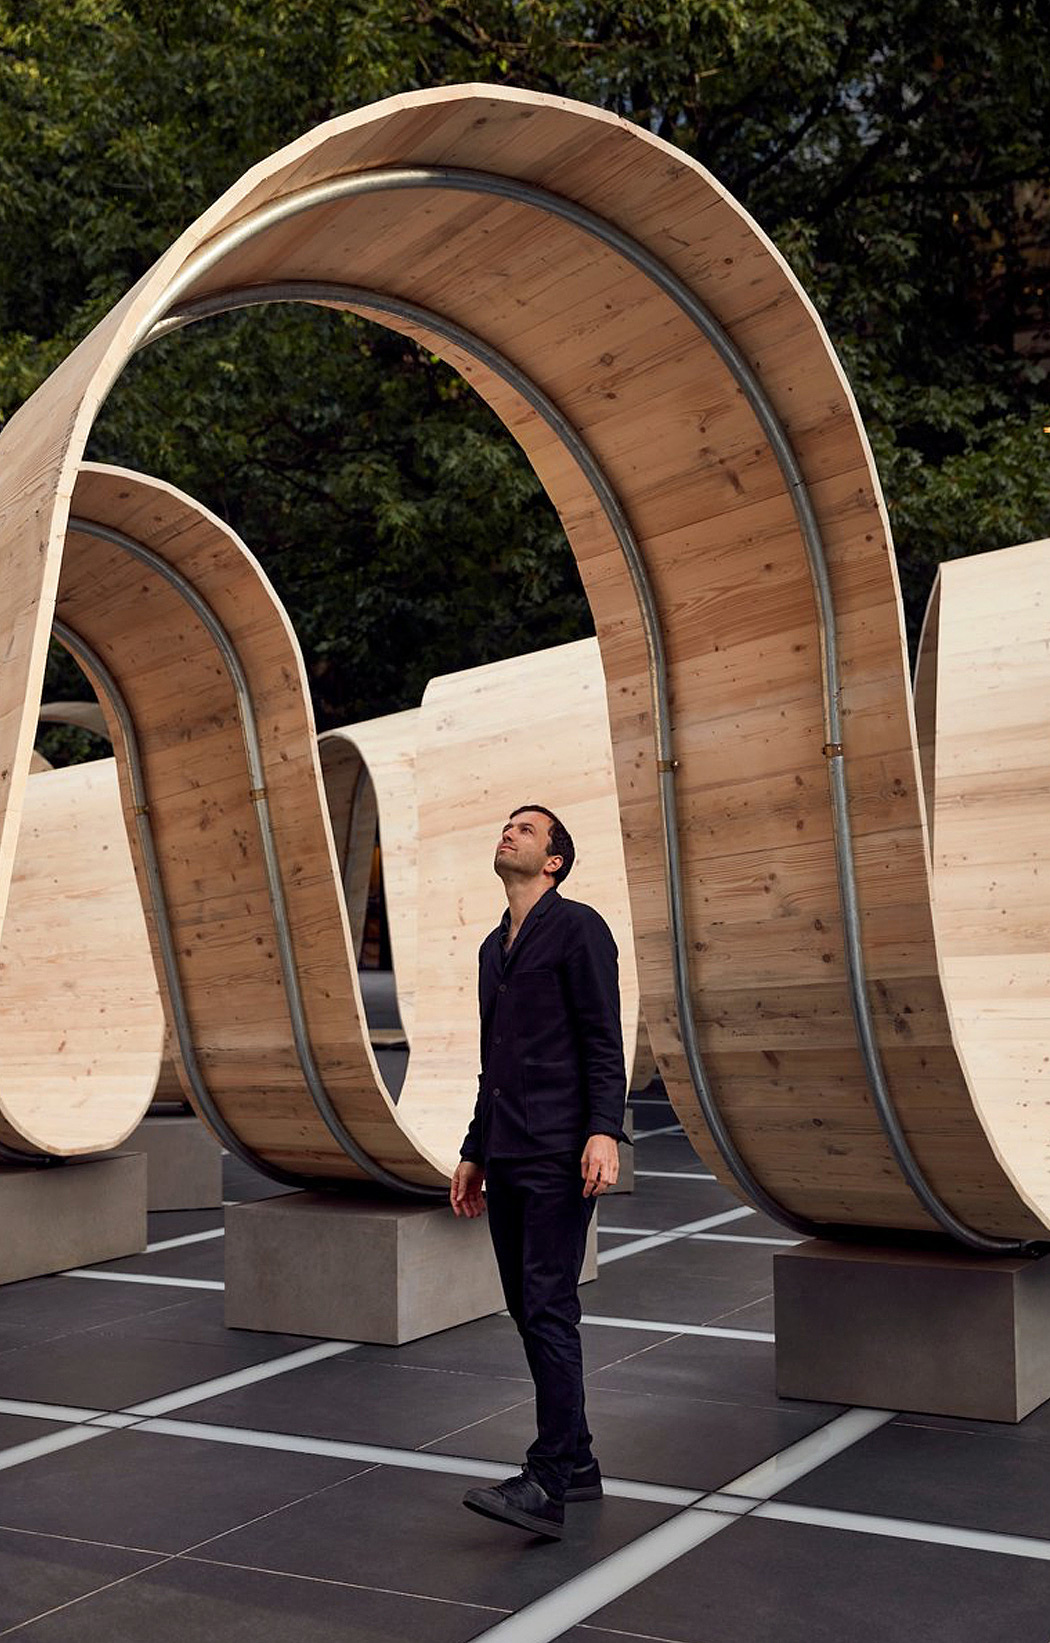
376	759
530	725
982	686
129	538
676	392
80	1052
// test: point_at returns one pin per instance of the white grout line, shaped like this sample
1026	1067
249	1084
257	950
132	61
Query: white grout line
47	1411
748	1495
558	1611
668	1129
143	1278
774	1474
240	1377
417	1460
21	1452
677	1329
706	1237
190	1238
937	1534
674	1175
656	1239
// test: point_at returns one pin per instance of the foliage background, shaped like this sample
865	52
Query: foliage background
897	151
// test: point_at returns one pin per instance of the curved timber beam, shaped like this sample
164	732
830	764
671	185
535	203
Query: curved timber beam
797	1012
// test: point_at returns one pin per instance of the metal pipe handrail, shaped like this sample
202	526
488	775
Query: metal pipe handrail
640	257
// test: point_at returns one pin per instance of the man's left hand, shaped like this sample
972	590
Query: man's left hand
600	1165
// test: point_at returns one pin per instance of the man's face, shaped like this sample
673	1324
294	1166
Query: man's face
524	847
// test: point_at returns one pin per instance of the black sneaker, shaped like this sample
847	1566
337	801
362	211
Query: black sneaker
585	1483
521	1501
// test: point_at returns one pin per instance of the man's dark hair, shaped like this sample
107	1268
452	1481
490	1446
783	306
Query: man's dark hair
559	840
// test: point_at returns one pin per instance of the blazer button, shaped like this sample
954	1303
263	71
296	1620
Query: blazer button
499	1040
496	1090
503	986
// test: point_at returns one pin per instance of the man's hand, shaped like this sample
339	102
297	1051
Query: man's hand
465	1194
600	1165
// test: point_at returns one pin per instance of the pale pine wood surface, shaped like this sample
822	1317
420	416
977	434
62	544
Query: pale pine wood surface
386	748
713	515
984	681
80	1052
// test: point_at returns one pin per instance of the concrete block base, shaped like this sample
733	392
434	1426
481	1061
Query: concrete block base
365	1268
183	1162
625	1183
71	1214
926	1330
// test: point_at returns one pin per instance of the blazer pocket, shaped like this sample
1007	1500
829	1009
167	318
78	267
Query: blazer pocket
552	1102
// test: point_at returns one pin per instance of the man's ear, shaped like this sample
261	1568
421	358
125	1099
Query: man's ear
553	863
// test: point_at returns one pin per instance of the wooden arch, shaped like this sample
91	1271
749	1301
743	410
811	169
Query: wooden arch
677	395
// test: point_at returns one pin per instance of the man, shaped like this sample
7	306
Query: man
543	1138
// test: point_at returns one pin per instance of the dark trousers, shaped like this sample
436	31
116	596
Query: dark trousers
538	1218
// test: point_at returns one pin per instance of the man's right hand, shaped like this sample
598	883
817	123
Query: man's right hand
465	1194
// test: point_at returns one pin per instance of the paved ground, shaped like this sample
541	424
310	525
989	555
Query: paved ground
164	1480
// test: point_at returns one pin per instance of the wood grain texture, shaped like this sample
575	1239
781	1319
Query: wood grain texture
485	740
385	749
983	681
80	1053
445	776
713	515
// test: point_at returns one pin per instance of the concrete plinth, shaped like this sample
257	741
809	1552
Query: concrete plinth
360	1269
183	1162
931	1331
625	1183
72	1214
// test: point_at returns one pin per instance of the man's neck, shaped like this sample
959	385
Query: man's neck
522	896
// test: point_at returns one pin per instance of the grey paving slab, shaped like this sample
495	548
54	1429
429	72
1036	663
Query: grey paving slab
755	1315
203	1260
1035	1428
184	1601
790	1583
176	1223
956	1478
363	1401
659	1204
109	1371
669	1283
157	1493
202	1319
16	1429
687	1442
39	1573
410	1531
45	1308
705	1368
492	1346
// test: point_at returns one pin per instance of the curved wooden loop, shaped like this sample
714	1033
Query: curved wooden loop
206	600
793	1044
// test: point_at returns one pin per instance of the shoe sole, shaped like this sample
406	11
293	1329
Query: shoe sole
520	1520
586	1491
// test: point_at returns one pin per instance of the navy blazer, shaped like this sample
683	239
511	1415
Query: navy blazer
552	1069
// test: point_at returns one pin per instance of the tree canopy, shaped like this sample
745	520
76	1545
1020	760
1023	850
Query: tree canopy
897	151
